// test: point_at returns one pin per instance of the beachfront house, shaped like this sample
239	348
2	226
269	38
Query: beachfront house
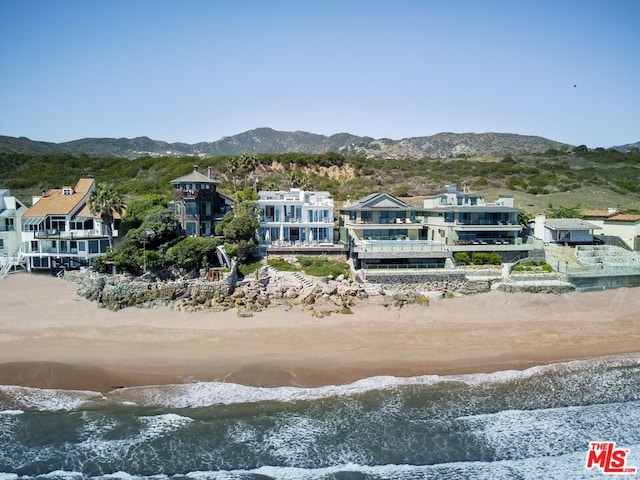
295	218
197	205
59	232
617	228
384	232
565	231
466	222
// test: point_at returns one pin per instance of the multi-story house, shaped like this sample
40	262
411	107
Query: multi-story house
295	218
622	228
385	232
465	222
197	204
11	212
59	232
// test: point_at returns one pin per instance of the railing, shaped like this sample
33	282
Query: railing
295	220
408	266
399	246
70	235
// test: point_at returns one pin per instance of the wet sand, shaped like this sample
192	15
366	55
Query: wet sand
52	338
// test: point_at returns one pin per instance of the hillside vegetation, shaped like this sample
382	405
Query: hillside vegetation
552	175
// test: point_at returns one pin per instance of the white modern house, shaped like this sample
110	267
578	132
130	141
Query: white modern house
59	232
295	218
565	231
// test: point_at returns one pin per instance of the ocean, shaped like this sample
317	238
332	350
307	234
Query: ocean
530	424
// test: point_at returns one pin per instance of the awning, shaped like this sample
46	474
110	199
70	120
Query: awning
7	213
32	221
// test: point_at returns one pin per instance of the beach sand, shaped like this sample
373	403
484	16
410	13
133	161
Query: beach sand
52	338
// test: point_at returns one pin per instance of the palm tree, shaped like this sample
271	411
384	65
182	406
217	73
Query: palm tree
233	164
105	202
248	164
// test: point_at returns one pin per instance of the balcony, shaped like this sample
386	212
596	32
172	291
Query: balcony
56	234
398	246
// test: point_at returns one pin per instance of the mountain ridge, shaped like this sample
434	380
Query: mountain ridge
265	140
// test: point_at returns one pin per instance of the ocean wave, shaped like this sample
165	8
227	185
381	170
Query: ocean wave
42	399
566	467
205	394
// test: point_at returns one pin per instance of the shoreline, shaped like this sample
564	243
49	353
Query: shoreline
52	338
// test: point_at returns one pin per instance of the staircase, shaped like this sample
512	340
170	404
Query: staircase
9	262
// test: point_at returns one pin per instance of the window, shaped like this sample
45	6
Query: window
190	208
1	243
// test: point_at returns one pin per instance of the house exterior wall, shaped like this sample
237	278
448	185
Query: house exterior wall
197	205
462	219
295	217
71	238
11	211
628	232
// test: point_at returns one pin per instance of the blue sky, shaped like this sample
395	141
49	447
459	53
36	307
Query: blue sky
197	70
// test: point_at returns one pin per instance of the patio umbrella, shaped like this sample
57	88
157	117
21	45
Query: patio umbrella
267	235
311	235
282	232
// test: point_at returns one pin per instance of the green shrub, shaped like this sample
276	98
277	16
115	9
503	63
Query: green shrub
481	258
461	257
194	252
323	267
532	266
250	266
281	265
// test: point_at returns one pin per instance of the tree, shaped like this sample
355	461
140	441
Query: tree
248	164
240	227
105	201
233	165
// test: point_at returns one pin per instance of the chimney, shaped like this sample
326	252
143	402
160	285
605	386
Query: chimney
209	172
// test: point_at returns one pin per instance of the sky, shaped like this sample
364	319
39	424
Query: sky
197	70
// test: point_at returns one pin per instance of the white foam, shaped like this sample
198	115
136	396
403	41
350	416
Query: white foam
29	398
519	434
11	412
203	394
161	425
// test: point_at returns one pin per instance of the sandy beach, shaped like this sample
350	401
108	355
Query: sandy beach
50	337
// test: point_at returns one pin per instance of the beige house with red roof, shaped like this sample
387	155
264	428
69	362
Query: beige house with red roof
625	226
59	232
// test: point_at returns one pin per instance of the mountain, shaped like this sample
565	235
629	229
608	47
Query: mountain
267	140
625	148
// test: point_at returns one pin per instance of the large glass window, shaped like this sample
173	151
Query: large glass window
191	209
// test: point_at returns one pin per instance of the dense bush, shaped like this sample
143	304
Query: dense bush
281	265
461	258
532	266
323	267
194	252
482	258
